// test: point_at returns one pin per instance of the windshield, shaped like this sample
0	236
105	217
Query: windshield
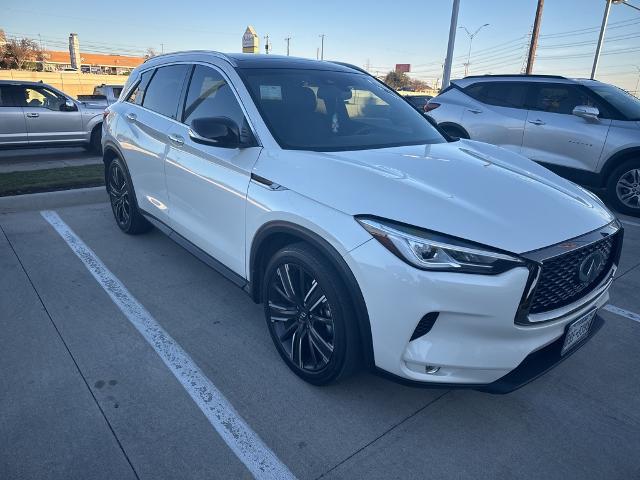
331	111
623	101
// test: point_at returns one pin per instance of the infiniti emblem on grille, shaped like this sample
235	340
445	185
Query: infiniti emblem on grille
590	267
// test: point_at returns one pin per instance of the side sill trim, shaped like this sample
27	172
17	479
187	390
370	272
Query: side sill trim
196	251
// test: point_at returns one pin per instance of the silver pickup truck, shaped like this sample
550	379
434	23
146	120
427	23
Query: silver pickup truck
103	94
34	114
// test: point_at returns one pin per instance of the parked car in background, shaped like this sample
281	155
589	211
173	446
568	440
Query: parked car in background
584	130
418	101
369	238
103	94
34	114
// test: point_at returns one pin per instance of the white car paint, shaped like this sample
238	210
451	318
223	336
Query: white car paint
465	189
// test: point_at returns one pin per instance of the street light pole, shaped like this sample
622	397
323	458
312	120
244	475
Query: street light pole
636	92
471	37
603	29
288	39
446	73
322	46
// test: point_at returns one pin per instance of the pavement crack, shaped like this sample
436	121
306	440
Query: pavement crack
393	427
73	359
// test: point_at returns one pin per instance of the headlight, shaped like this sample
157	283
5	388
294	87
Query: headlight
434	251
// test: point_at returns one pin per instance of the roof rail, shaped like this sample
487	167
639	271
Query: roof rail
209	52
521	75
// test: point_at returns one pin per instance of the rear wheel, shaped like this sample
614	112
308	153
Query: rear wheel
123	200
623	188
309	315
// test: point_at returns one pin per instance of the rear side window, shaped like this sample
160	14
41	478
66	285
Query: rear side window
6	98
500	94
117	91
164	90
561	98
211	96
137	93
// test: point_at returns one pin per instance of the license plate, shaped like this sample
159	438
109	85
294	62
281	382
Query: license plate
577	331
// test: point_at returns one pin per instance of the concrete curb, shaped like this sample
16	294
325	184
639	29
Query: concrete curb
51	200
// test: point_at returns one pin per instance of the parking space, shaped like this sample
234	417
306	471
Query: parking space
84	392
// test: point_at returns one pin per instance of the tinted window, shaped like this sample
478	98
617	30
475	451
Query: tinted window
117	91
558	98
623	101
500	94
326	110
6	97
211	96
137	93
164	90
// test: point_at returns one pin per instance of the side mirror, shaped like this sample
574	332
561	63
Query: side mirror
216	131
586	112
69	106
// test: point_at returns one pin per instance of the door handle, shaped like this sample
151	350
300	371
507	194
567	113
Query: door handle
474	110
33	115
177	140
537	122
131	117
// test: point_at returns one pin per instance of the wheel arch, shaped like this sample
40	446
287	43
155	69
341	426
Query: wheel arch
617	159
273	236
457	126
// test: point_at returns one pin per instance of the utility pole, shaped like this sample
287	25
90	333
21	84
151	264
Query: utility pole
322	46
534	38
471	37
446	75
267	46
162	48
637	92
288	39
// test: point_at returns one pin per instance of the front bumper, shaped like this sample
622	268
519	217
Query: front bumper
474	341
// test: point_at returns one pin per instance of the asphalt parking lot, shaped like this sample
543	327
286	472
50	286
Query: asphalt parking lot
85	394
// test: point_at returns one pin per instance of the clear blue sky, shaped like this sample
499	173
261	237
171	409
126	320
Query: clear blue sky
380	34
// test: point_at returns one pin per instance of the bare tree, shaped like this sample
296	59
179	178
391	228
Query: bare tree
19	51
150	52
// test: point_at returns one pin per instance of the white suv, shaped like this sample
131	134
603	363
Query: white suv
584	130
370	239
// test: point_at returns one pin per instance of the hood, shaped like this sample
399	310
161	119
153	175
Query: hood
467	189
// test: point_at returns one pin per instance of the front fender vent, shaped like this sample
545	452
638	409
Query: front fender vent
425	325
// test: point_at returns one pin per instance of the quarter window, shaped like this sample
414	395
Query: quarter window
164	90
137	93
211	96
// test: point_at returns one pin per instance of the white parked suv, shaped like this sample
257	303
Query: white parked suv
584	130
370	239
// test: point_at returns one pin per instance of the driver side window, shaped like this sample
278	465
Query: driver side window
43	98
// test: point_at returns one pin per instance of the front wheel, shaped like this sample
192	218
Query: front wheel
309	315
123	200
623	188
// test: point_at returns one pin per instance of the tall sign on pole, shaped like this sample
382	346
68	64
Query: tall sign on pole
446	76
250	41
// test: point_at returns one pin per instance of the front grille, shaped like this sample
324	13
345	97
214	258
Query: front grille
560	283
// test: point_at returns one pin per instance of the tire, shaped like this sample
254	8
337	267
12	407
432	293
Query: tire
623	188
123	199
454	132
95	143
316	338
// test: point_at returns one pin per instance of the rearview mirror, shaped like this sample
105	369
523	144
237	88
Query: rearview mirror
216	131
586	112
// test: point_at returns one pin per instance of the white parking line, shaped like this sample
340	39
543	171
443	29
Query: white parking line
240	438
622	312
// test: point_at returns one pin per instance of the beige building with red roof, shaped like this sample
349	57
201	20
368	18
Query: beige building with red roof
91	62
